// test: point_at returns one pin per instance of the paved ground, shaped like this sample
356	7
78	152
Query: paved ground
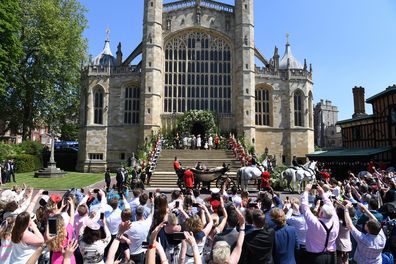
167	191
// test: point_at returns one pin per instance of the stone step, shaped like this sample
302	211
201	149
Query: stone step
164	175
196	153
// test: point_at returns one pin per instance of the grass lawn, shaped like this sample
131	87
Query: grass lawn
70	180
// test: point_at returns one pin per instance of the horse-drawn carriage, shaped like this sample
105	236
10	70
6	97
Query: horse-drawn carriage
216	174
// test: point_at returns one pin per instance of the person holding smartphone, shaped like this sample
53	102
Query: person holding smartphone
200	232
64	234
25	237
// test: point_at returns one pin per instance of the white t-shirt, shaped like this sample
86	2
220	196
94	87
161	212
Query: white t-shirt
138	234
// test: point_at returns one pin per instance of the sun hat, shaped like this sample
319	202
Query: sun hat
92	223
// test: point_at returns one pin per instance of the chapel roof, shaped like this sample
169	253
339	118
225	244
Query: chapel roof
288	60
105	58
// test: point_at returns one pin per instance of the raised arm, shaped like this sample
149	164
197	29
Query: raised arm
367	212
72	210
191	240
236	253
125	202
223	222
310	218
33	202
124	226
151	251
209	225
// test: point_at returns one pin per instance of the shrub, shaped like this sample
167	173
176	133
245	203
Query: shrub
30	147
27	162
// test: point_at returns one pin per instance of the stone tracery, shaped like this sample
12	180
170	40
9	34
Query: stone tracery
197	73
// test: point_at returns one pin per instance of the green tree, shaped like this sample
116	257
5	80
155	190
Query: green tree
46	88
10	45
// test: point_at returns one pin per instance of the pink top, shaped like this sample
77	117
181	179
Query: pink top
316	235
57	257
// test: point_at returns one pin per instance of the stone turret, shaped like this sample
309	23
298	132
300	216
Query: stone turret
119	54
276	58
152	66
245	75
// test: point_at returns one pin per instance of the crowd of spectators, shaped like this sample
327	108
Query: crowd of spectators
330	222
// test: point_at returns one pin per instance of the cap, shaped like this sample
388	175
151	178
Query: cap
44	200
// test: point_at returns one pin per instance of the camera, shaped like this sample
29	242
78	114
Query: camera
178	236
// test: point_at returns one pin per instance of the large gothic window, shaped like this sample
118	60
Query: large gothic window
98	106
197	73
131	107
298	109
263	116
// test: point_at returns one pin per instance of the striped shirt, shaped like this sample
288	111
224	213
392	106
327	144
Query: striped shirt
5	251
369	247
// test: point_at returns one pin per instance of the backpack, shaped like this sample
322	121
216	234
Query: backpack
387	258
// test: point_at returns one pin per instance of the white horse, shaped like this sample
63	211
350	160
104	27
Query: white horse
245	174
297	176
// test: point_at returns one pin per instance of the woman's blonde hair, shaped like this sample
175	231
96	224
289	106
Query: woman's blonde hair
57	243
221	252
193	224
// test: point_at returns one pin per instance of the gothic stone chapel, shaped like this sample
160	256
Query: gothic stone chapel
195	54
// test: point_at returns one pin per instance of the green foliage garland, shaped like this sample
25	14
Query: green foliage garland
186	122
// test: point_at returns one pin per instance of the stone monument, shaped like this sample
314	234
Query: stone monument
51	171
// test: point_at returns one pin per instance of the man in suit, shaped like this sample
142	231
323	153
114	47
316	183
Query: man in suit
12	171
107	179
258	244
120	178
8	168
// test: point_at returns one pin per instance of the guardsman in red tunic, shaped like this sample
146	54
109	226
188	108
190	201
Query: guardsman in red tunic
188	179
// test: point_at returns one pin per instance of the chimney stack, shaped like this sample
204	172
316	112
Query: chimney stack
359	101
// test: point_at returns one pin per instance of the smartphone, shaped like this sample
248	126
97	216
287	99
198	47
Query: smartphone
252	204
287	198
150	195
314	186
230	198
52	221
96	190
45	192
195	204
145	244
101	216
177	203
178	236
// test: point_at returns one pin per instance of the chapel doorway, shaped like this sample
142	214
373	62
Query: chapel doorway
198	129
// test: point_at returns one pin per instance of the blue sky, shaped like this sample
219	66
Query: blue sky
349	42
